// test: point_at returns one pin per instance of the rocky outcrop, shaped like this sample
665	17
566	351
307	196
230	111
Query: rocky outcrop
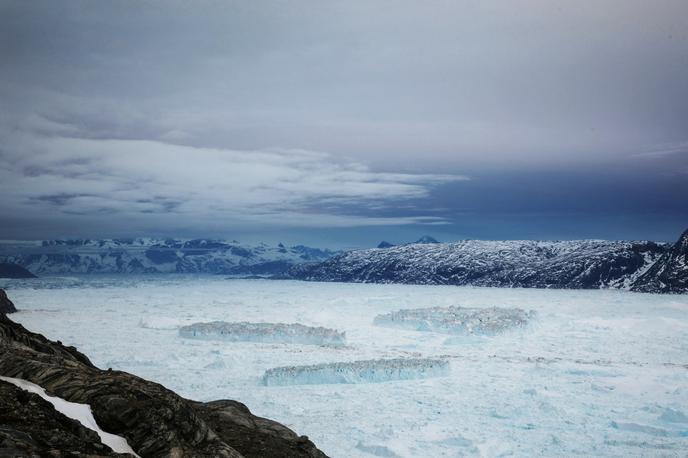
155	421
670	273
11	270
252	436
31	426
6	305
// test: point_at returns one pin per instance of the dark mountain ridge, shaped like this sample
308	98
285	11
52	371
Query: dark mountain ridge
582	264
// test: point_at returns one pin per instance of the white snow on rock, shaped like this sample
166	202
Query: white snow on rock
293	333
457	320
368	371
79	412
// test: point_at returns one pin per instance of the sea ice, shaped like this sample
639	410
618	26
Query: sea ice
594	357
263	332
457	320
367	371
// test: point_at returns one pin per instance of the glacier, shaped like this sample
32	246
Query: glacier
294	333
457	320
596	373
368	371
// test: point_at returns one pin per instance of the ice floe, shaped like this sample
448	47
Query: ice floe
457	320
367	371
263	332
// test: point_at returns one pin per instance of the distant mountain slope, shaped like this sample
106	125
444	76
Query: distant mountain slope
670	273
156	256
567	264
11	270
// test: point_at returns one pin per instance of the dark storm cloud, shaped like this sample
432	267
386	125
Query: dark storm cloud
194	115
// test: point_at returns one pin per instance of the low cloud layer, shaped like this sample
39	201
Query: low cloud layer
150	184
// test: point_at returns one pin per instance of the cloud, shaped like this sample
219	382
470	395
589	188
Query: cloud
664	150
152	183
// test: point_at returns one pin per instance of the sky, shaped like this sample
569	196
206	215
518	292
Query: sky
343	123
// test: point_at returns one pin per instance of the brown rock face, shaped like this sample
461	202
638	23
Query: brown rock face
155	421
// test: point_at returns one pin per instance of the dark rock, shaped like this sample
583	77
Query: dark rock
6	305
384	244
11	270
254	437
155	421
30	426
670	273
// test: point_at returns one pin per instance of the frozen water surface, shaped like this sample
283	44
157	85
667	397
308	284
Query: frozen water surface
457	320
368	371
597	373
263	332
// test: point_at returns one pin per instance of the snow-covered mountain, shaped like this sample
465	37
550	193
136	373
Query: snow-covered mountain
559	264
155	256
670	273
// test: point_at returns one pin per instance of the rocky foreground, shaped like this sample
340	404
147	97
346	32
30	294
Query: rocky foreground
155	421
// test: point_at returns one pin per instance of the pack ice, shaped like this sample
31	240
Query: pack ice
294	333
457	320
367	371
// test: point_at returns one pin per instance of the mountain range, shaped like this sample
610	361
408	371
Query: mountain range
583	264
642	266
145	255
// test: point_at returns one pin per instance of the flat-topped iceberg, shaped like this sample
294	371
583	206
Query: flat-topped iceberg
457	320
367	371
263	332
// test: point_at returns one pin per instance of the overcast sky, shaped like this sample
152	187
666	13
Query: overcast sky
342	123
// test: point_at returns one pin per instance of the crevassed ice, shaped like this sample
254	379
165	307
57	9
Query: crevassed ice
367	371
263	332
457	320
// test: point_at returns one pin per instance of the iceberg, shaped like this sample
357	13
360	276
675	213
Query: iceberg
293	333
367	371
457	320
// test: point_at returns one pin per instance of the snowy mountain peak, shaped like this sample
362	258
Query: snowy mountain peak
670	273
426	239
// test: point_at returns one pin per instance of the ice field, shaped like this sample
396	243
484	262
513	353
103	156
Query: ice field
594	373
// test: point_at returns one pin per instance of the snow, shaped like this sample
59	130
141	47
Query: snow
146	255
457	320
263	332
556	387
369	371
79	412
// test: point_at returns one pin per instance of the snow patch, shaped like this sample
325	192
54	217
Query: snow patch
367	371
79	412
